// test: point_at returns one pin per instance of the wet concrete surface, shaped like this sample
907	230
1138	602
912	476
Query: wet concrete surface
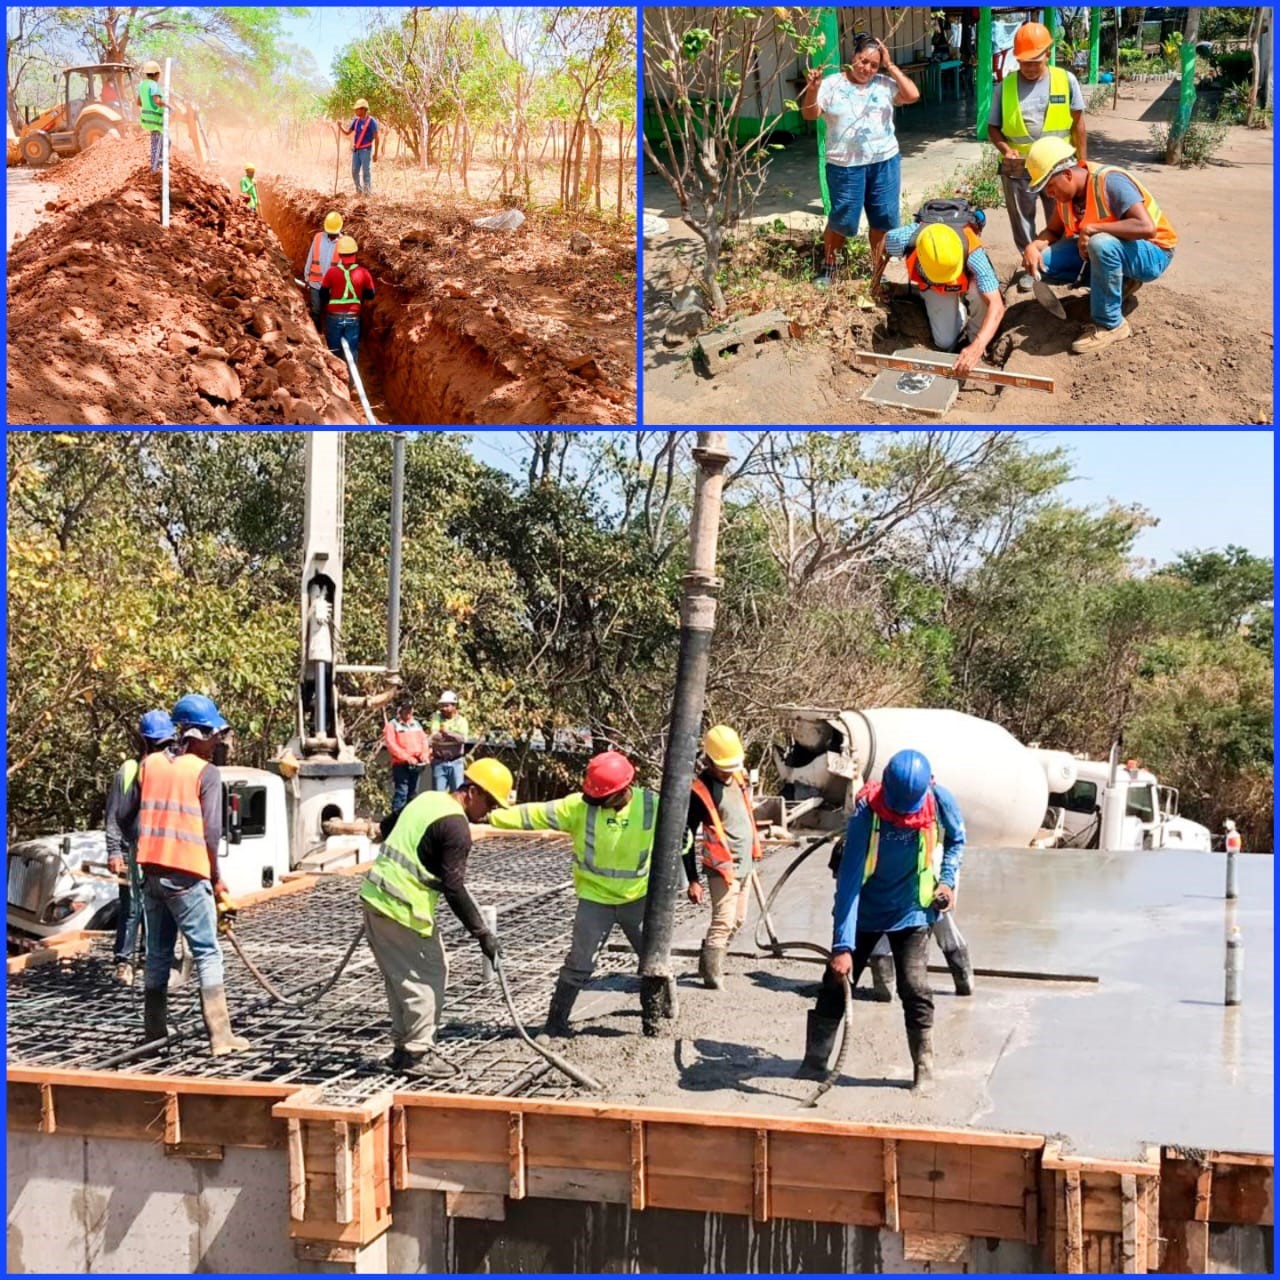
1146	1054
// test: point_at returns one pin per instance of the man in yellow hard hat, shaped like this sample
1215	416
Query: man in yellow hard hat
324	248
1037	101
1106	230
249	189
949	270
424	854
152	104
721	805
366	143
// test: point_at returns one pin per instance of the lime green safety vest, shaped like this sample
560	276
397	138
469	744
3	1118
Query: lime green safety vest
1057	116
610	849
152	115
398	885
249	188
349	290
927	882
128	776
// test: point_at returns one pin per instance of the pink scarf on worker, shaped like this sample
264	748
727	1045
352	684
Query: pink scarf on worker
925	816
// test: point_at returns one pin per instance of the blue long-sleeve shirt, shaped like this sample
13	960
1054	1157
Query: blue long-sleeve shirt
889	900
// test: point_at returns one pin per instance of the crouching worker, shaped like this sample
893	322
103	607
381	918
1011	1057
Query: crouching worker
886	887
950	272
424	854
613	823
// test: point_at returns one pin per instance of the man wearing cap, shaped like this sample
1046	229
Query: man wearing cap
152	103
1038	101
721	805
424	854
156	732
344	289
366	142
612	823
406	743
1106	229
178	808
324	248
449	734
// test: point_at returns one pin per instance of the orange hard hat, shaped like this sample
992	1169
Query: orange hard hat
1031	41
606	774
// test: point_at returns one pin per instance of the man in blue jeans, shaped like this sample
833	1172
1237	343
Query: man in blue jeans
1106	230
365	146
344	288
449	734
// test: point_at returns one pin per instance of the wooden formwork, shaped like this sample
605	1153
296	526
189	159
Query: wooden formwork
940	1188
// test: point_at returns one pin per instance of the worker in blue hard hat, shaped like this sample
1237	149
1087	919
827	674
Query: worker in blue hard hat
887	887
155	733
179	816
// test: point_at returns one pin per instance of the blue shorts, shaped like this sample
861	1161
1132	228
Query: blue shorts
874	187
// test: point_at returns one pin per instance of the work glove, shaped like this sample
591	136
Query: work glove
837	853
943	896
489	944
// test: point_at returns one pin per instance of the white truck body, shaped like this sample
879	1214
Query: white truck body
1011	796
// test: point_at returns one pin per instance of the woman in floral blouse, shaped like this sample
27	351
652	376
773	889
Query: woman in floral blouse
863	165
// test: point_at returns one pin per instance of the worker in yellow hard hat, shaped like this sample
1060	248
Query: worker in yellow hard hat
722	808
1106	231
366	143
344	288
152	104
1037	101
949	270
424	854
324	248
249	189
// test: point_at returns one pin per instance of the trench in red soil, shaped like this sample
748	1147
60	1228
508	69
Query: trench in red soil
414	368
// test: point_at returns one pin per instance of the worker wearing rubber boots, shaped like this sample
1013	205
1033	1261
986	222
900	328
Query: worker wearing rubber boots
249	189
424	854
449	734
406	743
344	288
324	248
613	823
949	271
1106	230
151	117
178	807
886	886
156	731
721	806
1039	101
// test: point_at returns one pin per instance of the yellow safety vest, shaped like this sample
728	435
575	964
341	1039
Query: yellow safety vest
1057	116
398	885
926	881
610	849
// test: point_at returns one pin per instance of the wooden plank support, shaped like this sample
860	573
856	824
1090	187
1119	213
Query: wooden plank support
942	369
1030	1198
475	1204
515	1150
935	1246
1074	1221
760	1177
1132	1246
343	1181
399	1150
892	1212
172	1120
48	1118
1204	1192
297	1173
638	1182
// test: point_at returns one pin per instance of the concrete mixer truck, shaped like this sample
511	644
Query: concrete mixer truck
1012	796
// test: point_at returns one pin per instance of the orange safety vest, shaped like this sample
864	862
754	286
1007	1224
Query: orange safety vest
315	273
716	854
959	285
1096	208
170	818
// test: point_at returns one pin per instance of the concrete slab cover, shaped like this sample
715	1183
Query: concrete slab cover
919	392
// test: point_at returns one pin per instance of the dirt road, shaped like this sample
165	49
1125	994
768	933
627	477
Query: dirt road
25	201
1201	350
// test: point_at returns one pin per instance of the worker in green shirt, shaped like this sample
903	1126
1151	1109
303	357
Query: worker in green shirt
152	102
249	188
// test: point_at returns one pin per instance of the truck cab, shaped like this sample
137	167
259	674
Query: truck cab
1150	817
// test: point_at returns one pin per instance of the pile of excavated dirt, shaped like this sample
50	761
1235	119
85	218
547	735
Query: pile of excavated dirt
476	326
115	319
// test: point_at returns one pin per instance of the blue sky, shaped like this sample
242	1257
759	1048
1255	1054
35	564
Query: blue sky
325	31
1207	488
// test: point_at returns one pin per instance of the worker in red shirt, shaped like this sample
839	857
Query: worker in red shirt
343	289
410	752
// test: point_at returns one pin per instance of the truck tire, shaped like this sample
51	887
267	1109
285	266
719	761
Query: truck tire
36	149
93	130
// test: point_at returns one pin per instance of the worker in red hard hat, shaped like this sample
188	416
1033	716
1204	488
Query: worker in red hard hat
613	823
1037	101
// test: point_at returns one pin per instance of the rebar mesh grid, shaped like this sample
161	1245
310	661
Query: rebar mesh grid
74	1015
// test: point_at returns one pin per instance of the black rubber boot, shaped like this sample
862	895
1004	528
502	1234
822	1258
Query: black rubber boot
562	1002
155	1015
882	978
217	1021
961	970
921	1041
820	1039
711	967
